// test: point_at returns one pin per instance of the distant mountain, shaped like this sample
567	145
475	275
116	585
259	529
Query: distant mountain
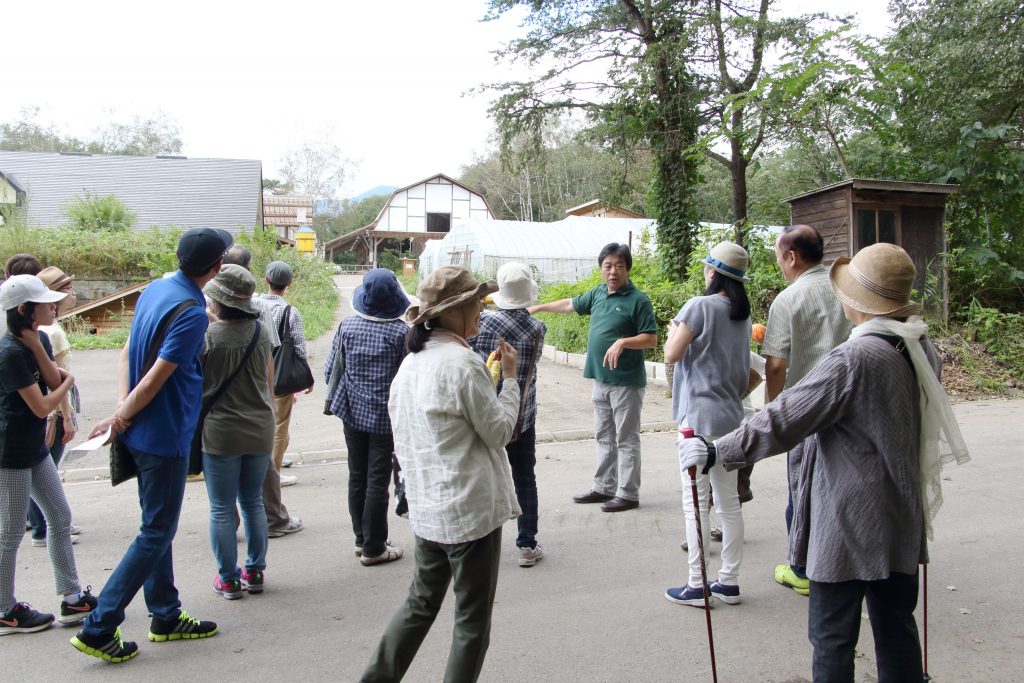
380	189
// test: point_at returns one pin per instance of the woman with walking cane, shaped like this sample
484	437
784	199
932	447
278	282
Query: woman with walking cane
709	343
876	429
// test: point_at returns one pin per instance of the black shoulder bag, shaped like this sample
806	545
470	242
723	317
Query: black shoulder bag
122	464
195	455
291	371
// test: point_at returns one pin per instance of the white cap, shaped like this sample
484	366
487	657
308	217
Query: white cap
21	289
516	289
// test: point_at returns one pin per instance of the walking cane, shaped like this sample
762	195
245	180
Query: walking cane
924	578
692	471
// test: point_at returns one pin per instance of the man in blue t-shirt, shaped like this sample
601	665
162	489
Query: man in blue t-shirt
155	418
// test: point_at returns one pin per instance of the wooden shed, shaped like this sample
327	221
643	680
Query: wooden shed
110	312
855	213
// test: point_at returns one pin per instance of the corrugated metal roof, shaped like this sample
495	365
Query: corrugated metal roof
220	193
880	184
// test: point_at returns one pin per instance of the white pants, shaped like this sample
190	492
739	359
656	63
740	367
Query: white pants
727	505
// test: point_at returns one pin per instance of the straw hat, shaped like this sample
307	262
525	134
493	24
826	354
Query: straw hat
446	288
233	287
877	281
729	259
516	289
54	278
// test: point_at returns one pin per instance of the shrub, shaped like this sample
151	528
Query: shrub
103	214
1001	333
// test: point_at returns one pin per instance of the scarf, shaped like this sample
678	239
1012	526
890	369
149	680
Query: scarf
941	441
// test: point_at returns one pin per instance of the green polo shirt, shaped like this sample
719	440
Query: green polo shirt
625	313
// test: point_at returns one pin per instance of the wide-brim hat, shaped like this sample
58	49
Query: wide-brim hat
877	280
446	288
516	289
233	287
729	259
55	278
380	296
21	289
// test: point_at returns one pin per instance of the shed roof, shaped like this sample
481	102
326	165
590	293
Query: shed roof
162	191
884	185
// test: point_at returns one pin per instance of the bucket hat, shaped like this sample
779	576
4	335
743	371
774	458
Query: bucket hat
446	288
200	248
516	289
55	278
233	287
877	280
380	296
20	289
729	259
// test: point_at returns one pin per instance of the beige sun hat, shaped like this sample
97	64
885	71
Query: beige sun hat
54	278
877	280
729	259
516	289
446	288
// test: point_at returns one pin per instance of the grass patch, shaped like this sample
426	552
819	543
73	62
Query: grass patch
409	282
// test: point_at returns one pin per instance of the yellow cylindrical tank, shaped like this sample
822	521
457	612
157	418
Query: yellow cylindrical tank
305	240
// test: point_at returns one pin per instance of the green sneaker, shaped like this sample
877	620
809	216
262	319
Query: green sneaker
113	649
785	576
183	627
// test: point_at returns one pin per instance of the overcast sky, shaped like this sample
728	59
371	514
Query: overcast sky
383	80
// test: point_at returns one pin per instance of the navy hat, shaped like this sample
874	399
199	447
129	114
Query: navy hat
380	297
200	248
278	274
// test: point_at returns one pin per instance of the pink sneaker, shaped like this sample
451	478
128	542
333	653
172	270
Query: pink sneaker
252	581
231	590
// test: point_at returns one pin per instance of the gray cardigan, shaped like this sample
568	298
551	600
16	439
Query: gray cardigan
853	426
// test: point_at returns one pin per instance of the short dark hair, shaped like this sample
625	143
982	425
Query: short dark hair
193	271
17	322
735	291
22	264
616	249
230	312
238	255
804	240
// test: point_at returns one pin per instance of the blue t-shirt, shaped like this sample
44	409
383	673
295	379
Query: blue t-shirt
165	426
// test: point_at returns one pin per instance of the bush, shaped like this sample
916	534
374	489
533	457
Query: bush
1001	333
102	214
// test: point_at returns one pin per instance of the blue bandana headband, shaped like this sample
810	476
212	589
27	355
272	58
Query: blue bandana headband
715	263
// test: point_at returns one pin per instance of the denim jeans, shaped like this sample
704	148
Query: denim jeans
35	515
834	625
369	474
148	563
230	478
522	457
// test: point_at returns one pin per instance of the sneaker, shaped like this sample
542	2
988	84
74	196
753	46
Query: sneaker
74	613
716	534
389	555
195	477
41	542
294	525
252	581
530	556
183	627
114	649
75	529
785	576
23	619
230	589
686	595
288	479
287	462
730	595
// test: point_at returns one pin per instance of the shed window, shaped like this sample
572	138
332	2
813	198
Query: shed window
876	225
439	222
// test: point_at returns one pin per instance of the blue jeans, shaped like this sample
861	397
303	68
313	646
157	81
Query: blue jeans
148	564
833	624
522	458
231	477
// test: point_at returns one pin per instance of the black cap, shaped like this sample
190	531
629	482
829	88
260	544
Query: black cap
200	248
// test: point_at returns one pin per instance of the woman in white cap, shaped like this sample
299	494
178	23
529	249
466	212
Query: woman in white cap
709	341
238	433
870	476
450	431
31	386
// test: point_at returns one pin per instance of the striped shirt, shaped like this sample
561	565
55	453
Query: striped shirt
805	322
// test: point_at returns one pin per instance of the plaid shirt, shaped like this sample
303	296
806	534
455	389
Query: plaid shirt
372	352
526	335
276	305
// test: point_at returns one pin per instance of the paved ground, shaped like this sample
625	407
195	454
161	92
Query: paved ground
592	610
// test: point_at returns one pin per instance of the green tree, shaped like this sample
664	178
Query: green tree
99	213
142	136
315	168
352	216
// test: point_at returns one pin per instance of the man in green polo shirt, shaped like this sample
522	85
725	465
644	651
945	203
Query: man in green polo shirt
621	327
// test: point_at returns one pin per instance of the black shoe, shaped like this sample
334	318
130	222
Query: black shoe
591	497
72	614
23	619
113	649
619	505
183	627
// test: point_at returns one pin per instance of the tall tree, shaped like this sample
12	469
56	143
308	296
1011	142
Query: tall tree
141	136
315	168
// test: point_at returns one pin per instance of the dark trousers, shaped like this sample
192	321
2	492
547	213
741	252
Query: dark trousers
522	457
798	569
474	568
277	512
35	515
369	474
148	564
834	626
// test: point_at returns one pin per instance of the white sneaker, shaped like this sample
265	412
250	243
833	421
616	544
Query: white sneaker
75	529
288	479
41	542
530	556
